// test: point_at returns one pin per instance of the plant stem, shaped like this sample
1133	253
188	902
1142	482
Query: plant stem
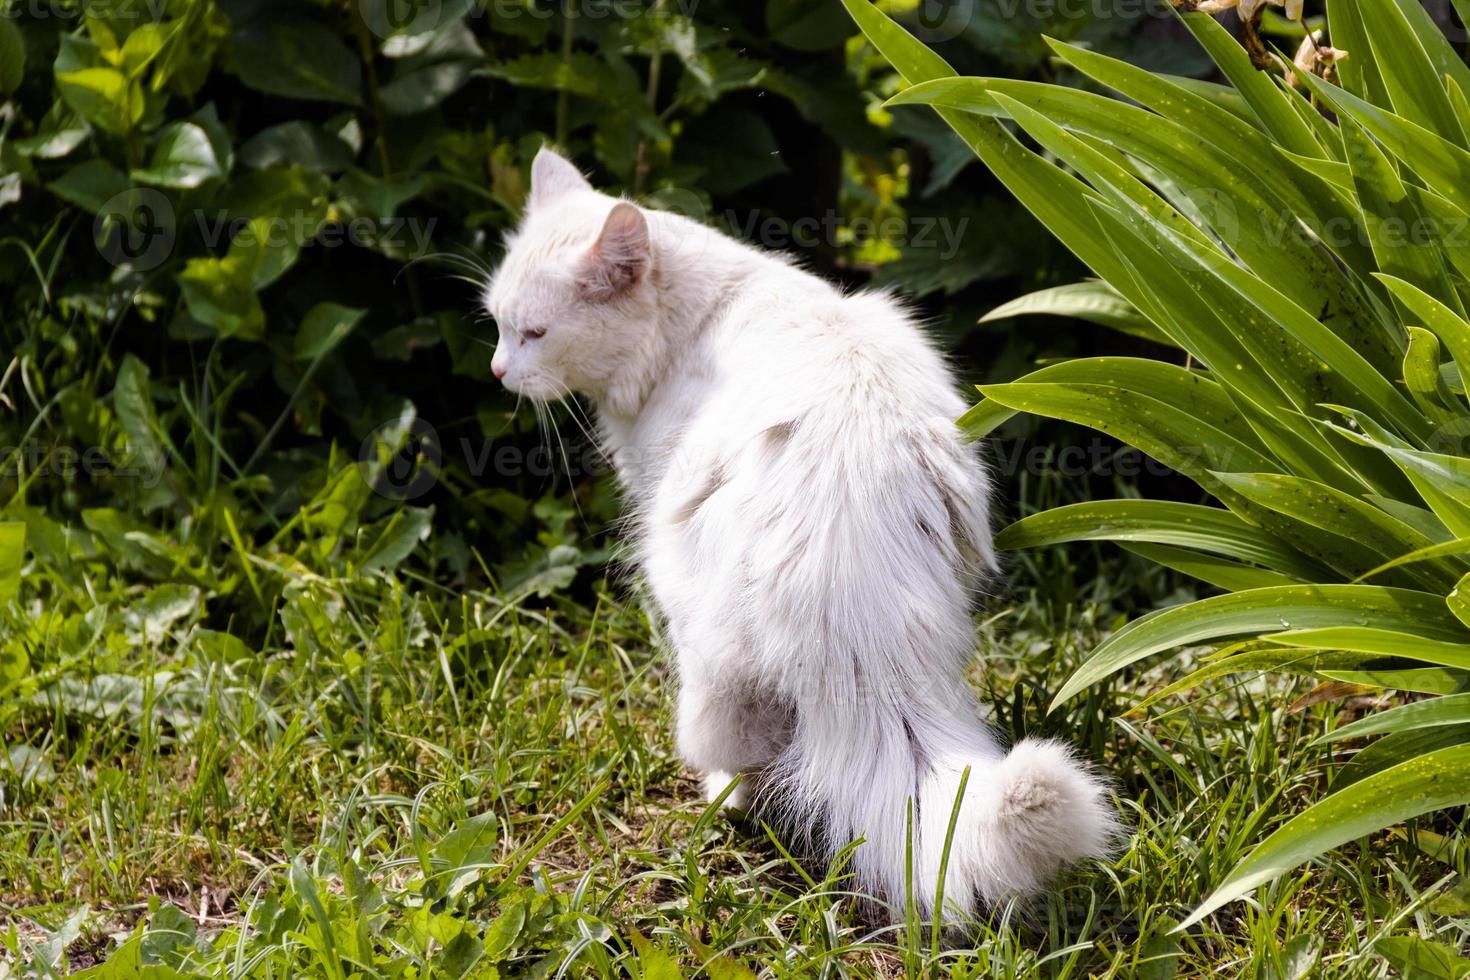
563	97
655	70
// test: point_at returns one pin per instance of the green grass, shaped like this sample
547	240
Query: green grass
412	781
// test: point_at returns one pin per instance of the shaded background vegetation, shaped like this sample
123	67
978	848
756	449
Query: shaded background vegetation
379	147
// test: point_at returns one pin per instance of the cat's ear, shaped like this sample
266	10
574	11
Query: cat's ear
553	175
619	258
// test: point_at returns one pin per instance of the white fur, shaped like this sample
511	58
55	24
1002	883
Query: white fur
812	528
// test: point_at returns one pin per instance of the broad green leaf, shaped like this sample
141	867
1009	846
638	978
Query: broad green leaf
59	132
1422	959
133	402
581	74
104	97
505	929
1210	529
1444	166
1449	326
1256	87
297	142
724	968
1415	85
1229	346
1275	660
335	510
1253	218
12	55
1327	135
1093	301
326	326
298	58
12	557
1304	449
1451	710
1446	222
1434	472
1446	61
221	293
124	963
402	533
184	157
1107	175
466	850
1396	748
1372	638
654	962
1394	224
408	28
1438	486
913	59
1425	382
433	71
143	45
1057	199
1188	392
1222	96
983	418
374	196
1459	600
1360	76
1458	546
1259	611
1435	781
1232	576
91	185
1335	512
1274	326
1247	147
1420	518
1459	102
1180	442
1335	172
1413	680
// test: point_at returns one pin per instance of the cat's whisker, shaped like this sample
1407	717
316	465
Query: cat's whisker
579	416
566	462
481	272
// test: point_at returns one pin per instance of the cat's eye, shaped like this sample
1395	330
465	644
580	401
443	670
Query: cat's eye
533	333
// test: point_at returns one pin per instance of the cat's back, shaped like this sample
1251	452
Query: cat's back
803	349
824	465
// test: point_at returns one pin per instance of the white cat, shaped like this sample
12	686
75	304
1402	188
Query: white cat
812	528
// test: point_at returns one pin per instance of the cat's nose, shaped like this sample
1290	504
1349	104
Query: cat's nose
499	371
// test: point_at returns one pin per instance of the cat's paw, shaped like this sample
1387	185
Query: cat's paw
739	798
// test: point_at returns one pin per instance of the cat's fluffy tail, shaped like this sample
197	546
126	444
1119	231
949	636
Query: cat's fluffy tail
852	771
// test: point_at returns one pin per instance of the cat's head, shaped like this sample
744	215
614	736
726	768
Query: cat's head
572	299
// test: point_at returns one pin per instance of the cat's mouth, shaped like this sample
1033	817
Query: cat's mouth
536	388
